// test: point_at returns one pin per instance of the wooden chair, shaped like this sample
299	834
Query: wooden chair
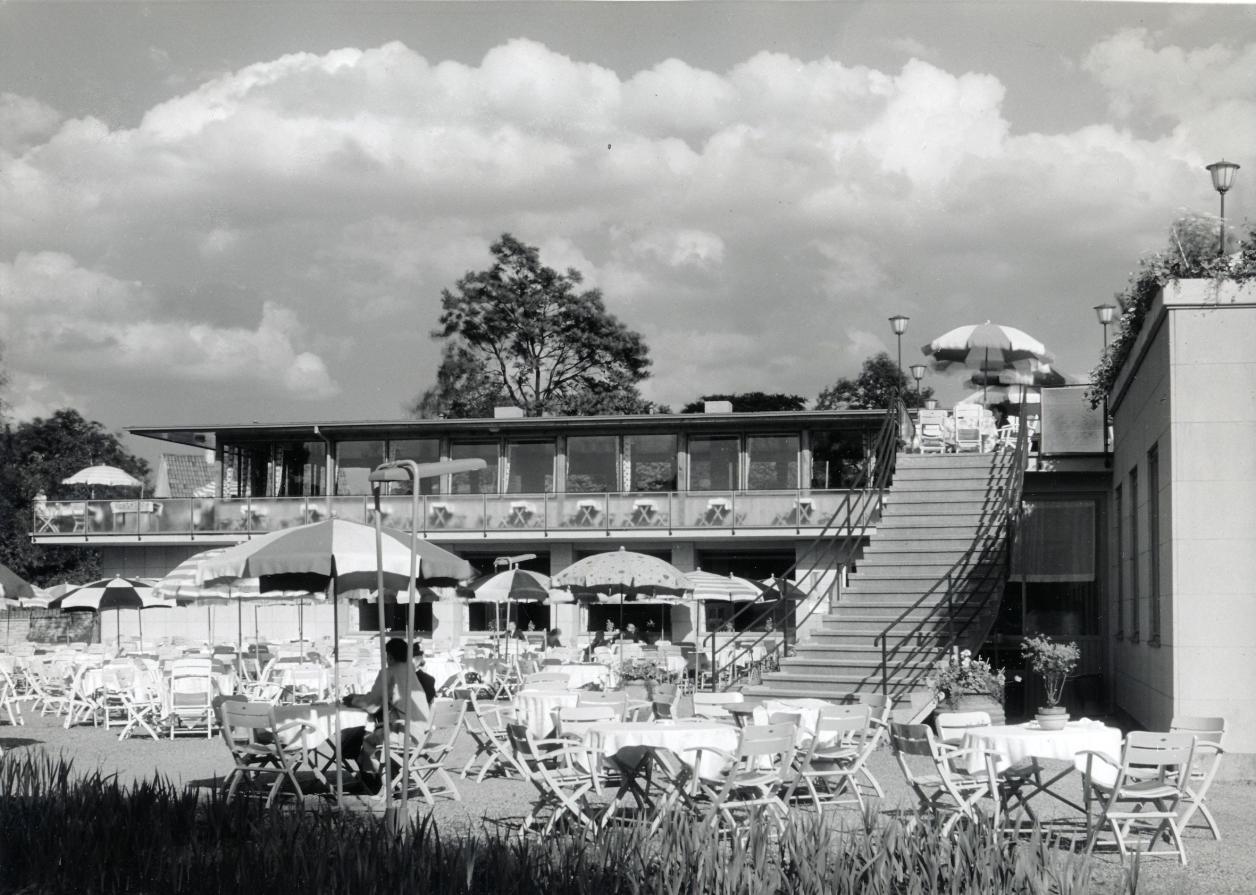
829	766
422	765
1145	795
933	771
263	749
747	789
557	768
1208	733
486	725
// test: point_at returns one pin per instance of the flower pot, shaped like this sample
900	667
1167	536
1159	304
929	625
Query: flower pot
975	702
1051	717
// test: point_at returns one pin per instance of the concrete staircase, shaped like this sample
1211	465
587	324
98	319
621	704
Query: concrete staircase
941	531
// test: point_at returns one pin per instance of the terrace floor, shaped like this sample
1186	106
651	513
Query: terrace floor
1228	866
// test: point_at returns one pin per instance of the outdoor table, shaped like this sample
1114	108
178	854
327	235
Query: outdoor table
322	715
534	708
630	745
582	674
807	709
1015	743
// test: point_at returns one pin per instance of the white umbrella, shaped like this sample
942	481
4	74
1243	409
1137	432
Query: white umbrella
988	347
108	476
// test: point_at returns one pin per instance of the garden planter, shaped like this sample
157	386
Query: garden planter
1052	717
975	702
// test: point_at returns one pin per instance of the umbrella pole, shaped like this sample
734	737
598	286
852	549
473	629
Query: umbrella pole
239	636
335	678
389	817
118	621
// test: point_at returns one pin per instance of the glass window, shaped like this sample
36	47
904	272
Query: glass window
713	463
483	481
1120	563
591	463
354	462
530	467
650	462
302	468
420	450
1134	555
773	462
1153	541
836	459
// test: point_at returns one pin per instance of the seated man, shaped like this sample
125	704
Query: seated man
409	705
554	639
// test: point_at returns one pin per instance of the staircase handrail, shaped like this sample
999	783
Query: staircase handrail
1007	516
858	513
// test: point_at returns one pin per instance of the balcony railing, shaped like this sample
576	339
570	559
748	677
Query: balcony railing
444	513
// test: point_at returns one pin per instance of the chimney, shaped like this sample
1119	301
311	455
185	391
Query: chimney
507	413
717	406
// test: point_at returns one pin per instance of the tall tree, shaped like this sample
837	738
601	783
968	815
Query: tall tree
879	382
34	458
751	402
525	334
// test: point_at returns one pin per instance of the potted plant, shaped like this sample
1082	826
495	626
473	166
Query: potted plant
961	683
639	678
1054	661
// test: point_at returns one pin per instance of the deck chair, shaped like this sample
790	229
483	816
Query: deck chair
49	683
1208	733
747	789
117	679
486	725
263	749
426	769
932	425
82	703
192	696
951	729
508	679
967	427
932	770
557	768
1145	795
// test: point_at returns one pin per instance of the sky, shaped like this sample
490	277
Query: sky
223	212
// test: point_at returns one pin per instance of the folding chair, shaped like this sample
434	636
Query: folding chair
116	681
829	765
1154	771
747	789
942	787
932	431
261	748
486	724
192	696
142	702
426	769
967	427
951	729
9	698
557	769
508	680
1208	733
81	703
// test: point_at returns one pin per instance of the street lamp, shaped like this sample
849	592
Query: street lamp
898	323
403	471
918	373
1222	179
1106	314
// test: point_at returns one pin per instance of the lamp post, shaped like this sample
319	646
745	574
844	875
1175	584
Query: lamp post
403	471
898	323
1106	314
1222	179
918	373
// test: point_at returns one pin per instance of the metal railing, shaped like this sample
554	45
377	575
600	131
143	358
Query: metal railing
604	512
982	594
825	559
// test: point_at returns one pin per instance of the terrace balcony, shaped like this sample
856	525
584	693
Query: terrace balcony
454	517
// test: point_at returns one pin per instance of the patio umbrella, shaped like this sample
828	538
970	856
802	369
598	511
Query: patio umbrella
511	586
13	586
986	347
112	593
109	476
337	555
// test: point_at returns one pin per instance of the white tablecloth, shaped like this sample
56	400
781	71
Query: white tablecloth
533	708
610	738
1017	742
323	716
583	674
808	711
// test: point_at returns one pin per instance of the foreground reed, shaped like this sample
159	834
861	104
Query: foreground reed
87	834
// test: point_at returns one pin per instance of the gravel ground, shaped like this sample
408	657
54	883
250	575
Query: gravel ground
1215	867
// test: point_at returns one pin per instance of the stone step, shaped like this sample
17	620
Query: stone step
950	461
909	569
914	587
898	497
939	511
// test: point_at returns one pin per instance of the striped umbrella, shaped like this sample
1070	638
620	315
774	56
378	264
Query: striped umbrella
511	586
728	588
986	347
13	586
113	593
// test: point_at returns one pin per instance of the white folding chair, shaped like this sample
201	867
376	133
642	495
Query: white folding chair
934	772
1208	733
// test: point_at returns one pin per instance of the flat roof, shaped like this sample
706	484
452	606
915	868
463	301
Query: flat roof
208	435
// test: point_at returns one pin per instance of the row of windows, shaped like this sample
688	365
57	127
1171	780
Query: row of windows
586	463
1134	526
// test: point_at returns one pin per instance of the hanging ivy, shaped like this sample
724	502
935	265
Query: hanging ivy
1191	255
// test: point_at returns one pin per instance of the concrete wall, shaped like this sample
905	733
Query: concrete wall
1190	390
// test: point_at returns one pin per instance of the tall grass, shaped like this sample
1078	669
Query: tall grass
88	834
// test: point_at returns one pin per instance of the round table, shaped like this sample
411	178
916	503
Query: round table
611	738
533	708
583	674
322	715
1017	742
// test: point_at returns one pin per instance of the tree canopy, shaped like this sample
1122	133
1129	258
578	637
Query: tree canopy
751	402
34	458
878	383
523	334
